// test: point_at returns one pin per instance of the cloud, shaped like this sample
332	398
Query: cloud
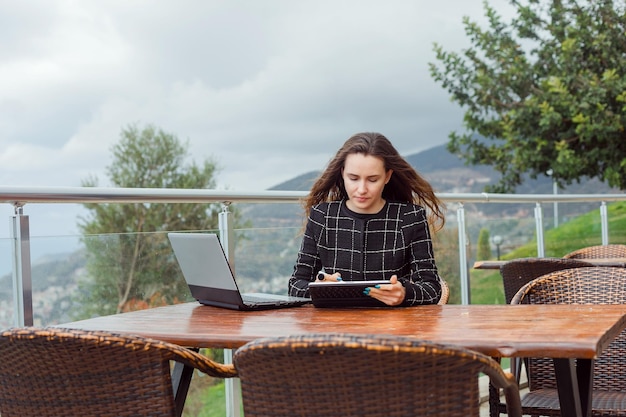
268	89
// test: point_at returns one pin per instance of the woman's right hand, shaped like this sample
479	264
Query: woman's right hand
329	277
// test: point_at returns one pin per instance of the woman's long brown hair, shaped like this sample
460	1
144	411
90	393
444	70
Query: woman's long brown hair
405	185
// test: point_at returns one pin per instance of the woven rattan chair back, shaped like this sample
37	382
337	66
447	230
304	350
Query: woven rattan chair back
518	272
595	285
59	372
445	293
328	375
600	251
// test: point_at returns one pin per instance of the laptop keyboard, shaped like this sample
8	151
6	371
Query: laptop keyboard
255	299
266	299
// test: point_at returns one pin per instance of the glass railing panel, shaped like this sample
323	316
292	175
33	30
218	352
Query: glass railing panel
57	263
446	248
91	280
579	225
265	258
266	249
73	276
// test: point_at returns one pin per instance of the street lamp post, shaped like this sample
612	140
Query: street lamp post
497	240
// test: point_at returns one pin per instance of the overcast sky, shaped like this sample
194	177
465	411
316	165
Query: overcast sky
268	88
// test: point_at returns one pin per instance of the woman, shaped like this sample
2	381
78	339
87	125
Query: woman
368	220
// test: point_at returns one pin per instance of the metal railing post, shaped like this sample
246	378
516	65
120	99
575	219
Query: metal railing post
604	220
464	276
22	279
232	386
539	226
227	235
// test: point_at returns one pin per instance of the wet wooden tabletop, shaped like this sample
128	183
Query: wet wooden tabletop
559	331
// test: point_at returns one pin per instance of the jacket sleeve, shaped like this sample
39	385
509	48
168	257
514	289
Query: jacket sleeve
423	285
308	261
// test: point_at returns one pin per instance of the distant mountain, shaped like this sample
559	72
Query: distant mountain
438	159
302	182
446	172
436	164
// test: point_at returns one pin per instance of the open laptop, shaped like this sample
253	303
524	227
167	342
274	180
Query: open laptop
206	270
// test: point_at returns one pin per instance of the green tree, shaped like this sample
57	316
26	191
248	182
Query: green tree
130	265
545	91
484	248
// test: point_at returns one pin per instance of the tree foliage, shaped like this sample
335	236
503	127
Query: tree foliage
546	90
484	247
130	265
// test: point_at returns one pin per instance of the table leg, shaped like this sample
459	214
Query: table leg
584	370
574	385
181	379
494	401
495	406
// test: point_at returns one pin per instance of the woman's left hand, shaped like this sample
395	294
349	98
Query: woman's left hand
391	294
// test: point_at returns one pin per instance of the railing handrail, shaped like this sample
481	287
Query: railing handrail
19	196
81	195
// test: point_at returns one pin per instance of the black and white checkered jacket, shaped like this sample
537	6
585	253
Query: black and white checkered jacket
395	241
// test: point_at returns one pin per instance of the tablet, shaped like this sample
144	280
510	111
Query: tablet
344	293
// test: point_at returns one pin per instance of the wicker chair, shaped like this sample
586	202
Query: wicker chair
445	293
600	251
61	372
519	272
515	274
596	285
327	375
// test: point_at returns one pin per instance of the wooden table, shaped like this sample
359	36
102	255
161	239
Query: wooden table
571	334
617	262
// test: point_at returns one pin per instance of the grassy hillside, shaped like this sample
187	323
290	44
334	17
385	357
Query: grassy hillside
585	230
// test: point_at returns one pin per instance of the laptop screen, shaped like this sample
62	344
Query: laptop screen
202	260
